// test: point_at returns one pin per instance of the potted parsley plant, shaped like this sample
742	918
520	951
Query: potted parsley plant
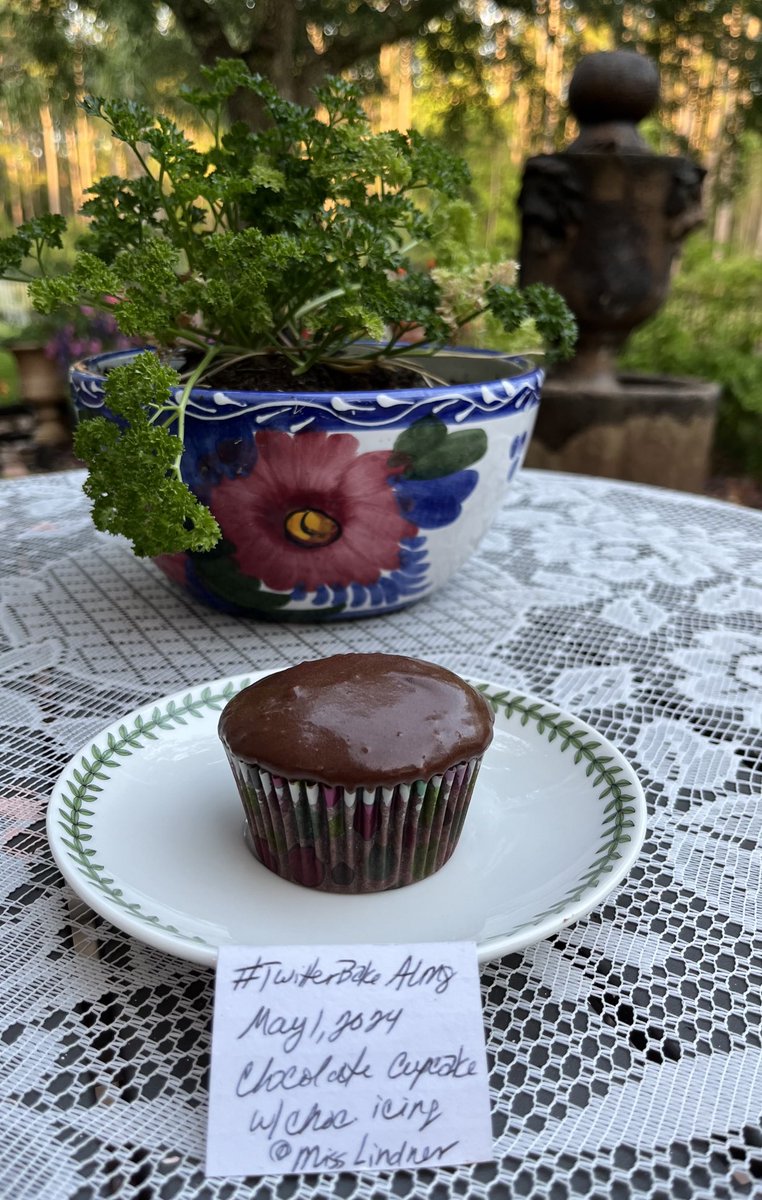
297	439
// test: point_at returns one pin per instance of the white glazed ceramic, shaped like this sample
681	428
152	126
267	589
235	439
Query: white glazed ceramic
335	506
146	825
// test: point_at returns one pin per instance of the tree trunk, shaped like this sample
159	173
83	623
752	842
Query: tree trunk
72	158
14	185
11	164
278	42
50	154
86	156
278	47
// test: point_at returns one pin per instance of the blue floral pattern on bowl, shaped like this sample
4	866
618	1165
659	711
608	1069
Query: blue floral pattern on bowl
342	505
518	452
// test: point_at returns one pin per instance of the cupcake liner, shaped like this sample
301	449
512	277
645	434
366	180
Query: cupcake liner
353	841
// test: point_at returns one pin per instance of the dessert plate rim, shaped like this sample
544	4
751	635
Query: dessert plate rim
154	737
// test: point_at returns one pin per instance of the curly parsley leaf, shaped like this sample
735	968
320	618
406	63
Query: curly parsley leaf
540	304
553	318
134	481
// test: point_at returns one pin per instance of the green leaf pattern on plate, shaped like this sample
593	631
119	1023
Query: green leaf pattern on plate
100	763
618	812
83	791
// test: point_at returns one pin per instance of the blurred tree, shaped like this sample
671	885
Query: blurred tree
60	47
295	43
473	60
710	62
51	53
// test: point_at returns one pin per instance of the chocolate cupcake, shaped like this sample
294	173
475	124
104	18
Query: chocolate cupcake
356	771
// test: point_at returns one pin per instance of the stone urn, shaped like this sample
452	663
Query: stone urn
603	222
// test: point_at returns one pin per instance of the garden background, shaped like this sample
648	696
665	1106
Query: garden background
486	77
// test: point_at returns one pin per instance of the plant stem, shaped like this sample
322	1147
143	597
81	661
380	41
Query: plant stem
182	404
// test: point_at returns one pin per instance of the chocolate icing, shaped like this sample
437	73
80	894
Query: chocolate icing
357	720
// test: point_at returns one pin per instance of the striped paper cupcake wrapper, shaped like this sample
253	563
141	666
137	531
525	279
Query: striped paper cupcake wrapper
367	840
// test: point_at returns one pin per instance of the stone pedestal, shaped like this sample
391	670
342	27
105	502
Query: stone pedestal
652	429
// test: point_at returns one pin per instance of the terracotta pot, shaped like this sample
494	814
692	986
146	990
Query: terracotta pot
40	378
43	388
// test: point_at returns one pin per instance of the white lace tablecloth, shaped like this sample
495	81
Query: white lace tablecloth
624	1054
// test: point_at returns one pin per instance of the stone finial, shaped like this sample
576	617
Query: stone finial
603	221
609	93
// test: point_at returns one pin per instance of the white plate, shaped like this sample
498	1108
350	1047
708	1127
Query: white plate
146	826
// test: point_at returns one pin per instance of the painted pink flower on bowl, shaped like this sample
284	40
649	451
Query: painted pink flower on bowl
173	565
312	512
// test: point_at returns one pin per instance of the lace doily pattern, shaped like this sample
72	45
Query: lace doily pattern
625	1054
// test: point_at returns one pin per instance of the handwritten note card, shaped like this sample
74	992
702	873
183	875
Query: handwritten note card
347	1058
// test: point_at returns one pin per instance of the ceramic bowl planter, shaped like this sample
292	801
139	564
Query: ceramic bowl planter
345	505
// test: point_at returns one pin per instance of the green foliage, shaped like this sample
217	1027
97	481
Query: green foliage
540	305
134	479
30	239
292	239
711	328
9	380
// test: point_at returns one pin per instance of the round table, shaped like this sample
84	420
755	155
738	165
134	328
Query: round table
624	1053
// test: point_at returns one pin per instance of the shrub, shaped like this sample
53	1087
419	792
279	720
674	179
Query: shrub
711	328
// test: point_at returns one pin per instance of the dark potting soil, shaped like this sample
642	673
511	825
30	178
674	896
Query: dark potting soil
271	373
